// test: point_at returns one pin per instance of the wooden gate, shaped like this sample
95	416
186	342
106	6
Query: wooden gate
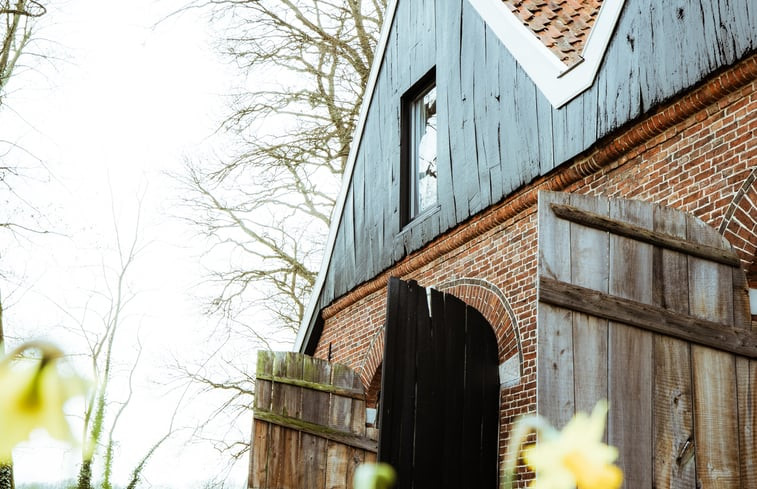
440	391
309	424
647	306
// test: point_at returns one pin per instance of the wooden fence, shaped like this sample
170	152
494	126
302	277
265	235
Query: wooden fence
309	426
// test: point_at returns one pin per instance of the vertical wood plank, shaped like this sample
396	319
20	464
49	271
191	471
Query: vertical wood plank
289	365
471	54
355	457
746	374
391	402
589	256
407	391
630	350
340	412
555	395
453	320
279	390
276	457
314	457
482	390
315	409
263	388
336	466
714	379
473	400
674	444
746	386
260	456
426	442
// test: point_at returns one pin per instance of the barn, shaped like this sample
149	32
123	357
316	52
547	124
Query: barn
547	203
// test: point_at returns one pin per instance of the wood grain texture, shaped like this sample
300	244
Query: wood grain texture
336	466
746	375
555	393
259	455
589	257
591	219
677	408
648	317
444	376
714	372
673	443
630	351
298	428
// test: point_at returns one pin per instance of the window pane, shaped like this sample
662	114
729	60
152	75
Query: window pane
426	153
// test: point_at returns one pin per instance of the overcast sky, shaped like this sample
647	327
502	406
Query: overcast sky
97	128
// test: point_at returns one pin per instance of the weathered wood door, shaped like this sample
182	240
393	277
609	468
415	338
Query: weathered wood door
646	306
309	424
439	393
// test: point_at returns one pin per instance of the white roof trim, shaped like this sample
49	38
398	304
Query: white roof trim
559	83
336	215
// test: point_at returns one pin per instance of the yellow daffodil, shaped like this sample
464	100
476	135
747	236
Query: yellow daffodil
374	476
32	395
576	456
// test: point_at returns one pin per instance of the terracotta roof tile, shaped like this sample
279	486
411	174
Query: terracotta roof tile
562	25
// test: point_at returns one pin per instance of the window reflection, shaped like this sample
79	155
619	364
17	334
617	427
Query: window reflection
423	157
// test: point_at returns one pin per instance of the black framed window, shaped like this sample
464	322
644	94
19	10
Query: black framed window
420	175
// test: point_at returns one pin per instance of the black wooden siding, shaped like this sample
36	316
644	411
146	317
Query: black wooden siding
497	131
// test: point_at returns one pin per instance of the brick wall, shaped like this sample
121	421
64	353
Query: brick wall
698	154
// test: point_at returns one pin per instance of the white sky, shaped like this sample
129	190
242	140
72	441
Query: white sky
125	104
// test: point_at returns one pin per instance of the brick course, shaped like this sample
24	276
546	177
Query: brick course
697	154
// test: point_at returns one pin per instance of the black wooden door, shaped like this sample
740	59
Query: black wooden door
440	391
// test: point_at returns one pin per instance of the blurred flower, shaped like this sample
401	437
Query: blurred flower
374	476
576	456
32	395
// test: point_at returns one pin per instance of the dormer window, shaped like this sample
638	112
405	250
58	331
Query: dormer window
419	165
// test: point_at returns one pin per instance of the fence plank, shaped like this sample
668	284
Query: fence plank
297	428
260	454
313	473
336	466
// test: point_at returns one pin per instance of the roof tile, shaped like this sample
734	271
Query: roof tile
562	25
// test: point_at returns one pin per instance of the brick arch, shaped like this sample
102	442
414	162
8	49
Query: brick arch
369	369
739	226
489	300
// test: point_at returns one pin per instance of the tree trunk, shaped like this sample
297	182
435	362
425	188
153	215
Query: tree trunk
6	470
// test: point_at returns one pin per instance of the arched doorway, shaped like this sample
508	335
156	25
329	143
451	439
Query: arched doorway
440	391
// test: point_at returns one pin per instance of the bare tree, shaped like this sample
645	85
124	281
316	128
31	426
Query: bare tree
266	207
103	411
18	18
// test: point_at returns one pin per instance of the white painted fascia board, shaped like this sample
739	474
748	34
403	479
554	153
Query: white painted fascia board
338	212
558	82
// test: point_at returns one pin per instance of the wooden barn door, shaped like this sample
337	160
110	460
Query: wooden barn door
647	306
440	391
309	424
